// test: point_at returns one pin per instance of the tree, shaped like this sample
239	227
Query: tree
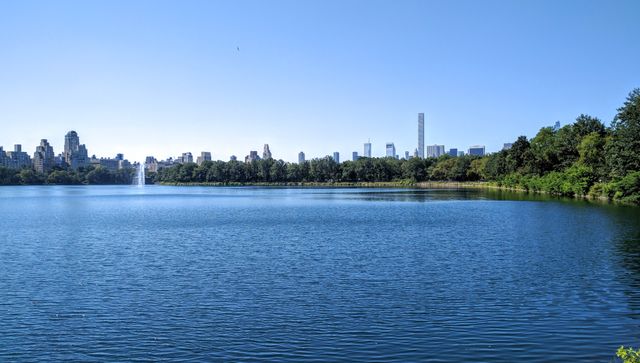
100	175
8	176
623	152
30	177
543	151
591	151
61	177
518	155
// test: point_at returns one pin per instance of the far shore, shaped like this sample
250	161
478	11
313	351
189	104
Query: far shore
395	184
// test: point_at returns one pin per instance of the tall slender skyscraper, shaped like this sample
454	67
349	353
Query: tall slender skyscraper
266	154
367	149
421	135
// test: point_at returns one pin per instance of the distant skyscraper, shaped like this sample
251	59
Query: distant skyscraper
186	158
301	157
43	158
406	155
435	151
391	150
151	164
17	159
253	156
507	146
556	127
460	153
266	153
204	156
75	154
367	149
421	135
336	157
3	158
453	152
477	150
354	156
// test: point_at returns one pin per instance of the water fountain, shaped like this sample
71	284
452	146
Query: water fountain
139	180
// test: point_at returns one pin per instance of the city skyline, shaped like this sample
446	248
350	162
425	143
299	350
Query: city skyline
229	77
76	155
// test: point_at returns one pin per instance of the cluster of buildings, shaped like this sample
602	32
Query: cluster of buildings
432	151
74	156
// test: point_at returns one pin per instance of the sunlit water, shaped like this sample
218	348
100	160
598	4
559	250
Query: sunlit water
248	274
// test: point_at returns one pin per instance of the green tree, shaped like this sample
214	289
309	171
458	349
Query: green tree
591	151
623	152
30	177
99	175
61	177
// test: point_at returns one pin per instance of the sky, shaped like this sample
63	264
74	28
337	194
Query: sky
165	77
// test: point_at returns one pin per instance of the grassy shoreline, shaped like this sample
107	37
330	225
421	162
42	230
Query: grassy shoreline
400	185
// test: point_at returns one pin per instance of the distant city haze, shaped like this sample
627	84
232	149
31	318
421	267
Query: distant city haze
164	78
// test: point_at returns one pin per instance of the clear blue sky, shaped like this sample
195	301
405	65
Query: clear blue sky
164	77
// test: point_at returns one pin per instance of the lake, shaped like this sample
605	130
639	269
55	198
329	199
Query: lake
121	273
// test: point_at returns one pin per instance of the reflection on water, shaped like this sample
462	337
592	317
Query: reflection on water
286	274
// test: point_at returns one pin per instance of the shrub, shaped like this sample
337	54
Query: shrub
628	355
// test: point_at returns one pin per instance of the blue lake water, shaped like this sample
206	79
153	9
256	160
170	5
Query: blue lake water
122	273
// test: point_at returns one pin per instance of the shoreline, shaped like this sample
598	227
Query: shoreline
479	185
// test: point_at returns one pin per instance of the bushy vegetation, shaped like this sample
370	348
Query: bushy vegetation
583	158
628	355
61	176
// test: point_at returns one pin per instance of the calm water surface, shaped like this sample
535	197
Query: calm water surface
249	274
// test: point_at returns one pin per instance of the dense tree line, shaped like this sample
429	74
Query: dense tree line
581	158
62	176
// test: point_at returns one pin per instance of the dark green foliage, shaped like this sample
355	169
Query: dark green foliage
88	175
623	149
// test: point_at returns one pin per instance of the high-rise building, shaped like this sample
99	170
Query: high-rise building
435	151
367	149
75	154
507	145
301	157
43	158
391	150
151	164
17	159
204	156
453	152
266	153
477	150
421	135
3	158
336	157
556	127
185	158
460	153
406	155
253	156
354	156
